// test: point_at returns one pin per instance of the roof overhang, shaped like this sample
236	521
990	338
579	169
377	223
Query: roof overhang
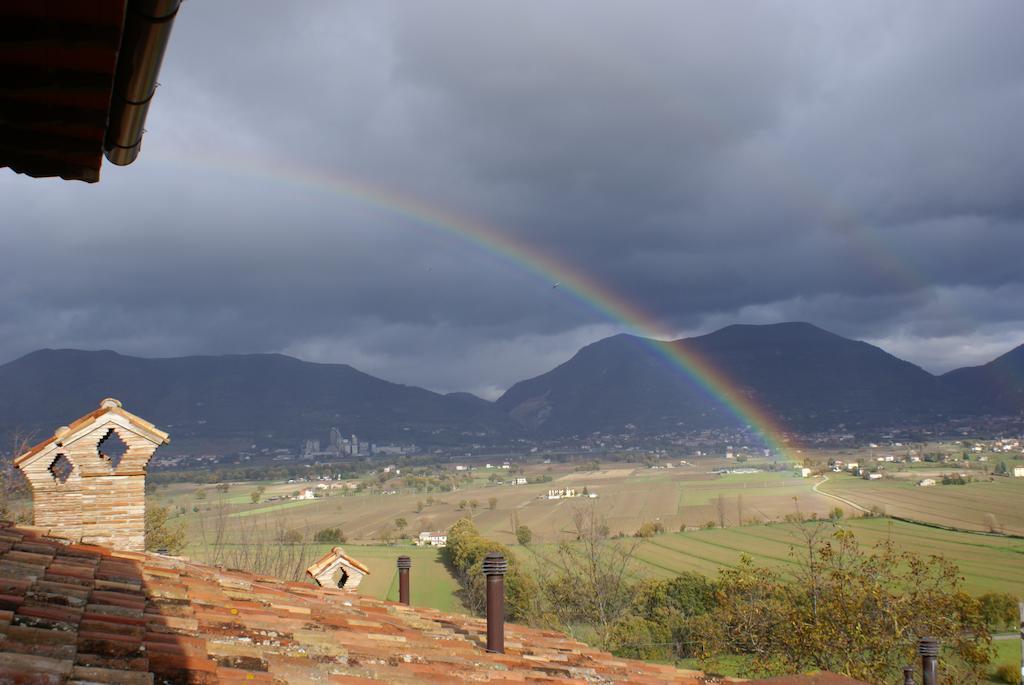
76	81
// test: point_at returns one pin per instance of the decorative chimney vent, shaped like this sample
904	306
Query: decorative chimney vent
337	569
89	480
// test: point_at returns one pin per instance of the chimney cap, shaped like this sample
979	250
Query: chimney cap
404	561
495	564
928	646
110	403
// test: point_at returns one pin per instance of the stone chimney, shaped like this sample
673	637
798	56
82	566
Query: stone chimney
89	480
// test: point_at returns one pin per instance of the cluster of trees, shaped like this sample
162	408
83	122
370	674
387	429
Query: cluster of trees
333	536
840	606
465	552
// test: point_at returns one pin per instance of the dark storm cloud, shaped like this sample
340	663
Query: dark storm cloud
854	165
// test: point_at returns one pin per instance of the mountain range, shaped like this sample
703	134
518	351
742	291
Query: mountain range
806	378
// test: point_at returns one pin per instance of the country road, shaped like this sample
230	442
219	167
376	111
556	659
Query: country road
837	497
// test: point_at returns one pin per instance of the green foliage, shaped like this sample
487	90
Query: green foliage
465	551
290	537
524	535
649	529
999	610
1008	673
657	625
492	502
586	583
160	534
330	536
849	610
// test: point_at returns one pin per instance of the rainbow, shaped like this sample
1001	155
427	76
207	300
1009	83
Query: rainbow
584	288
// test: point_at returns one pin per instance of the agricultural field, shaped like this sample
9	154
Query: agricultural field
988	564
430	583
626	498
990	503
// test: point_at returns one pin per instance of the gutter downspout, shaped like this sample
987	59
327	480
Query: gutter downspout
147	29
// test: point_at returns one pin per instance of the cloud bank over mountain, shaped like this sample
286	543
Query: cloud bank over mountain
857	166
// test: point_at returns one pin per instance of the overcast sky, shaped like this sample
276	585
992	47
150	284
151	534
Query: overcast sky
856	165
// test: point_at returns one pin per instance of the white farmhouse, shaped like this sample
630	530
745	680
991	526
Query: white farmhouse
433	538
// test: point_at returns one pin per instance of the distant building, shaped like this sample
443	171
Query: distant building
872	476
805	472
433	539
308	493
1018	471
519	481
926	482
561	494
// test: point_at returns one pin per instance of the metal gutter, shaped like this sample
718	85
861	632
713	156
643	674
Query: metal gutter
147	29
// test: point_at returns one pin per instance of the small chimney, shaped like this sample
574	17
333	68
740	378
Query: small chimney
404	564
337	569
89	480
495	568
908	675
928	650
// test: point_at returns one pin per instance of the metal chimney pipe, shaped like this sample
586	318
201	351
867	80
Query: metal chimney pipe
404	564
908	675
495	568
928	649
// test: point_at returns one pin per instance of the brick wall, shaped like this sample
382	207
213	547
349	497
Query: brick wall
99	502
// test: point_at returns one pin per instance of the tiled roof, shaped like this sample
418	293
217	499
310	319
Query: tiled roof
71	613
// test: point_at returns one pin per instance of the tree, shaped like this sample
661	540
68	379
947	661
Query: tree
386	534
400	524
290	537
649	529
419	506
256	494
330	536
720	508
999	610
160	534
848	609
524	535
465	551
585	584
492	502
656	626
462	505
836	513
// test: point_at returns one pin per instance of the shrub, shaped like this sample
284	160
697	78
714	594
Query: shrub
1008	673
330	536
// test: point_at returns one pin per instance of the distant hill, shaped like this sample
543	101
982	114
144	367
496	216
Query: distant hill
234	398
805	376
995	388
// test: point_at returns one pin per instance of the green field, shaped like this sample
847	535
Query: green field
987	563
430	583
